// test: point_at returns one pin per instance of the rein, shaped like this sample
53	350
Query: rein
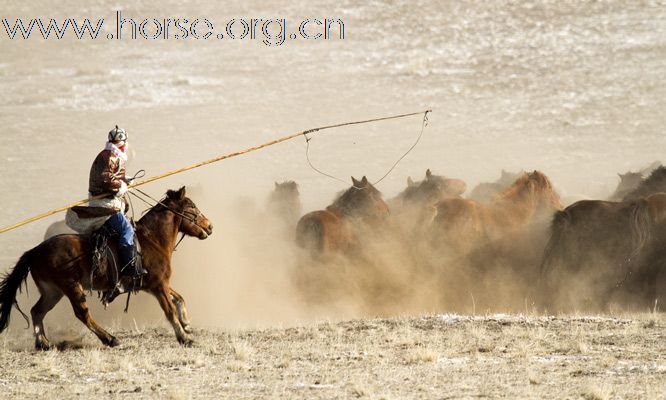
179	213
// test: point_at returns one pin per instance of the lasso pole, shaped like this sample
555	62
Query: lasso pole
214	160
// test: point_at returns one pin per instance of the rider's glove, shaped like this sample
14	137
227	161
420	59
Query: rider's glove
122	190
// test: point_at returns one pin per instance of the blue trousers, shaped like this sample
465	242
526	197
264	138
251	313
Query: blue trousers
119	223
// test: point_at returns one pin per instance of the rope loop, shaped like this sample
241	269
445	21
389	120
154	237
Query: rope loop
418	139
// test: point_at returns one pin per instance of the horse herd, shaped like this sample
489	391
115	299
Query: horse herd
515	229
581	256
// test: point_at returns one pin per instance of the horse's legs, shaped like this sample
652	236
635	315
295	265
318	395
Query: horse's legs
179	302
77	297
49	298
163	296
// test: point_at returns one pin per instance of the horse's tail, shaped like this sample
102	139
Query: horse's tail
310	234
556	247
641	227
10	285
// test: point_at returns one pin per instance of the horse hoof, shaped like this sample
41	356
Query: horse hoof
43	346
187	342
188	329
113	342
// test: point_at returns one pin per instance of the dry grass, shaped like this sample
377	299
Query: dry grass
427	357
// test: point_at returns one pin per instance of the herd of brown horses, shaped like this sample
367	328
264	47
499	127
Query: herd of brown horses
616	246
608	249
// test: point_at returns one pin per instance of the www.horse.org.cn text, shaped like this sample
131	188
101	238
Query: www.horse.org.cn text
270	31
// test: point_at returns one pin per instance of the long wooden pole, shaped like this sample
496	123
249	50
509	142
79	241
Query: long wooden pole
214	160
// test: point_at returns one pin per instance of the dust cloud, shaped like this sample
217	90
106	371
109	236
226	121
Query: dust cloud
575	91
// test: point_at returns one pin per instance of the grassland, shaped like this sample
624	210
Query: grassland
432	356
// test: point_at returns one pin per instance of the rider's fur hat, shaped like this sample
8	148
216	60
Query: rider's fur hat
117	134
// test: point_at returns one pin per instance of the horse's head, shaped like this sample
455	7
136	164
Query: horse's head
285	202
192	221
285	190
629	180
434	188
362	200
654	183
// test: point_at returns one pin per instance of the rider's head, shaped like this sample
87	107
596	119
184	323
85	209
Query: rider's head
118	137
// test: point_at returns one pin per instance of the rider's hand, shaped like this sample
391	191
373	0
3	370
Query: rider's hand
122	190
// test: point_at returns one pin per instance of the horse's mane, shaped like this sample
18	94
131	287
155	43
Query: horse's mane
351	199
150	219
543	183
654	183
515	188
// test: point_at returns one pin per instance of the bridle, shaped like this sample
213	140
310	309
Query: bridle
183	214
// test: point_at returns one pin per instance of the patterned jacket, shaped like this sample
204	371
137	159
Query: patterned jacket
106	174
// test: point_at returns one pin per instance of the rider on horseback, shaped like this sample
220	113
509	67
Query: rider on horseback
107	176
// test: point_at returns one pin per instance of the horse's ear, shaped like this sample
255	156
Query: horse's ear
364	181
355	182
428	173
180	194
410	182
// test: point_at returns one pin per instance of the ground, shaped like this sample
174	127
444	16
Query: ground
433	356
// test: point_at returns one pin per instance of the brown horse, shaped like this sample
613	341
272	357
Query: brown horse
62	265
598	247
463	225
336	228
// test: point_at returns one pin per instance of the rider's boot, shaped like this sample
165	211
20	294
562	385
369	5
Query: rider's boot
130	262
131	272
131	269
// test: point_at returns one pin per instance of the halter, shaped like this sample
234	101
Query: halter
180	213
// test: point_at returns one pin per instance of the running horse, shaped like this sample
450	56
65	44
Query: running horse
607	247
62	266
427	192
337	228
464	224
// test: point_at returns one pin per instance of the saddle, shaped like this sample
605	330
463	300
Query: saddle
103	242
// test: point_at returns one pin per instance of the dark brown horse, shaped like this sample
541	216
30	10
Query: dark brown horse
427	192
336	228
630	181
598	247
462	225
62	266
654	183
415	205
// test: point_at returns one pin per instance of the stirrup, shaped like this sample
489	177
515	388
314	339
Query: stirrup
110	295
137	281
